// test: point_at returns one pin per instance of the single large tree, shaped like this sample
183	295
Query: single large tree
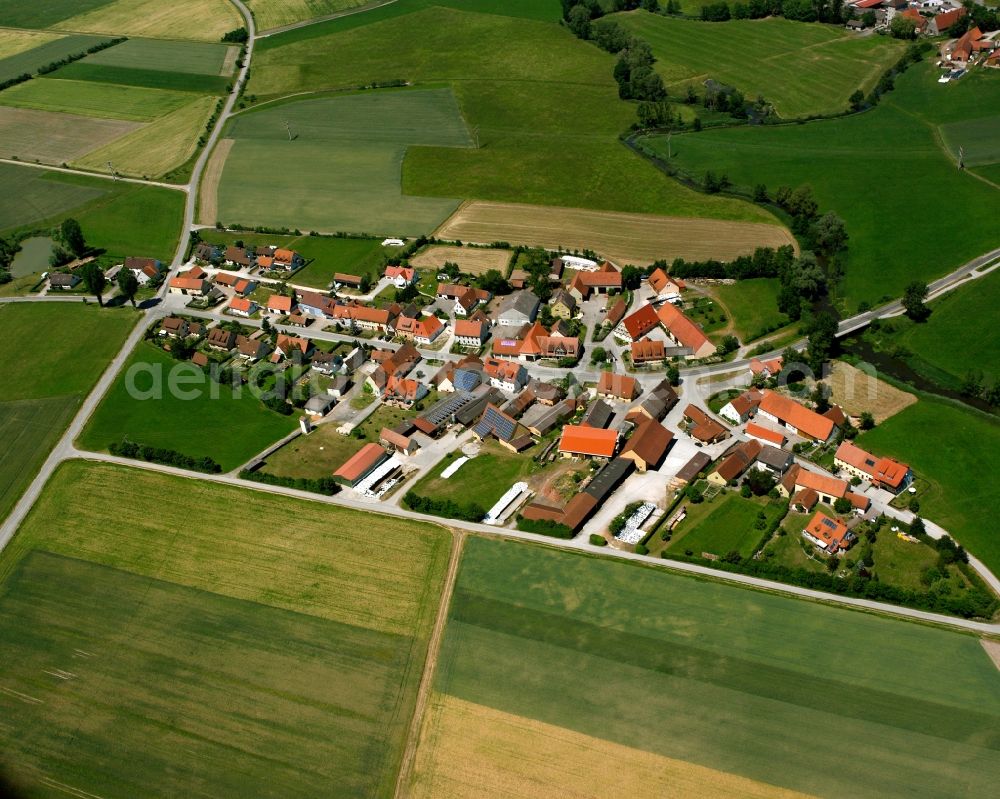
71	236
94	280
128	285
913	301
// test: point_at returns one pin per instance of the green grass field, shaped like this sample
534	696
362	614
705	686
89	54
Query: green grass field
29	14
955	339
543	102
43	386
898	231
30	60
723	525
718	676
197	58
201	20
801	71
122	219
147	78
106	100
752	305
977	137
214	654
229	428
949	446
342	170
483	479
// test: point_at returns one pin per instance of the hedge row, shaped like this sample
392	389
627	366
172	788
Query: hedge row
321	485
168	457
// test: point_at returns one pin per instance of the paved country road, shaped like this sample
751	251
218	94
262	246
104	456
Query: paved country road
65	449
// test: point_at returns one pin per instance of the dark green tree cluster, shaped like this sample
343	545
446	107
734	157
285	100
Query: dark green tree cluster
544	527
52	66
8	249
237	36
168	457
470	511
765	262
320	485
984	17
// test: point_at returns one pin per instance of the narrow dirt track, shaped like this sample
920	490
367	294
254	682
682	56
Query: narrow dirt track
208	194
430	666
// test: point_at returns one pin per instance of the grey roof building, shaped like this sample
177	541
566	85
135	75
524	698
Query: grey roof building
518	308
774	460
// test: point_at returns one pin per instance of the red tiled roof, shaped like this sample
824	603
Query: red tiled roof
647	350
616	312
682	328
469	328
948	18
798	416
739	460
757	431
616	385
277	302
659	280
240	304
285	256
649	442
820	483
640	322
363	461
829	531
592	441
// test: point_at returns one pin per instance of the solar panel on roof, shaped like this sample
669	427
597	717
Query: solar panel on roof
465	379
829	523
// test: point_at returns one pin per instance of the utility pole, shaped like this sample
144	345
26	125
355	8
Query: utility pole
669	151
288	128
961	158
475	136
114	175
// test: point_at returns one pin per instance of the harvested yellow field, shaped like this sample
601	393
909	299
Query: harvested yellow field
275	13
471	260
200	20
469	751
856	391
14	41
158	147
636	239
208	192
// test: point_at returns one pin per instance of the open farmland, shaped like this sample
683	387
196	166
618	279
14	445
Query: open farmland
977	137
215	655
897	231
197	58
859	390
624	238
229	427
341	170
32	14
545	648
800	70
967	508
67	136
156	148
269	14
201	20
471	260
525	85
26	51
42	391
109	100
120	218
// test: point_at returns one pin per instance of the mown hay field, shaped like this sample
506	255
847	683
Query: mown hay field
26	51
832	158
543	103
471	260
800	71
200	20
199	58
269	14
29	195
702	673
204	419
66	136
218	653
470	751
45	384
859	390
341	170
156	148
976	138
107	100
624	238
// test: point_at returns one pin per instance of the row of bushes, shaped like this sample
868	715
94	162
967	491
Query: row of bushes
52	66
468	512
322	485
168	457
544	527
975	603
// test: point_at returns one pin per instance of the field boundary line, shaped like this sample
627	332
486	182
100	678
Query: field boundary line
327	18
104	175
430	667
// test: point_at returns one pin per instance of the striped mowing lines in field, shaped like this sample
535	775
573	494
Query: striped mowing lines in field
201	20
979	138
336	162
198	58
53	137
27	195
224	654
28	61
275	13
33	14
800	71
94	99
551	648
